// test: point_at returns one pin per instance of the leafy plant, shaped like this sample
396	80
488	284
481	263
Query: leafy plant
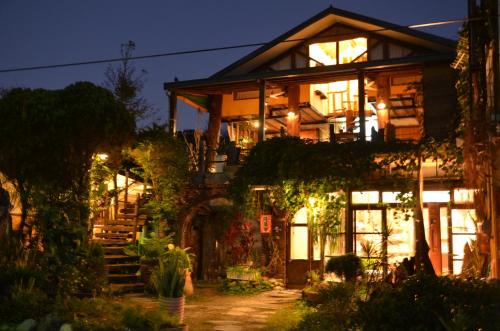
348	266
169	277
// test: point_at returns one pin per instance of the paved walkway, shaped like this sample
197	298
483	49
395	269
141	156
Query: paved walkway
211	310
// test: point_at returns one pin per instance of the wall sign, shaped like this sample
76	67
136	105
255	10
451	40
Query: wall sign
265	223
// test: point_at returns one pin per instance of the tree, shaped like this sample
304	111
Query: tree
126	84
56	134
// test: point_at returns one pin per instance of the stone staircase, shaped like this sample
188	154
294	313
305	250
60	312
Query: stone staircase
114	236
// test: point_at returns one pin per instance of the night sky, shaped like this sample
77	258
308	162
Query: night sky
51	32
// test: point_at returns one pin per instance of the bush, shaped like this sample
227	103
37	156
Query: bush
288	318
433	303
348	266
245	287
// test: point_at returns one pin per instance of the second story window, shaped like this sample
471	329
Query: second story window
338	52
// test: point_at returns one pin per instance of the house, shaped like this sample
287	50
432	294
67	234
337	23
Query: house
343	77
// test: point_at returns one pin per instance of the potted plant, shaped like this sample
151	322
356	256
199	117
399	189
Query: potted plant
348	266
169	278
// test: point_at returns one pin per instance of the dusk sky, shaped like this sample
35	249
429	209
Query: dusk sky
36	33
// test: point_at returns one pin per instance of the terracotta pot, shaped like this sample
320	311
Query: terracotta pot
188	286
174	306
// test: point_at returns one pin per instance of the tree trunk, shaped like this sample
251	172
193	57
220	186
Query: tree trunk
422	260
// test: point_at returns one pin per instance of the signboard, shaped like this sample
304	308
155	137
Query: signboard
265	223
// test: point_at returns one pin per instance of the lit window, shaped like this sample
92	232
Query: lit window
301	216
353	50
298	245
463	195
436	196
365	197
323	54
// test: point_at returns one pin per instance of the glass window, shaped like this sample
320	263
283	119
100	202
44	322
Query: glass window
463	220
436	196
301	216
298	243
323	54
365	197
368	221
401	236
353	49
463	196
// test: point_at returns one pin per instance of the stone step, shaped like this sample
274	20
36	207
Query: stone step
118	228
124	268
112	242
112	235
119	258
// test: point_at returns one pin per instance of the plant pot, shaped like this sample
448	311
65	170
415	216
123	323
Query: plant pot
174	306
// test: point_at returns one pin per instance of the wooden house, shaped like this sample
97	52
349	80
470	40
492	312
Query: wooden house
342	77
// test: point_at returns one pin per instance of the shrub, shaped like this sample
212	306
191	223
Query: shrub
348	266
245	287
433	303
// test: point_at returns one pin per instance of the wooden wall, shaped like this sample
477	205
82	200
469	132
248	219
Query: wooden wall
440	105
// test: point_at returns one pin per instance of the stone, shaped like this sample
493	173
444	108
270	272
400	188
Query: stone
27	325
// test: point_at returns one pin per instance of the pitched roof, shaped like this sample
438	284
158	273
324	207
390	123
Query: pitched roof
325	19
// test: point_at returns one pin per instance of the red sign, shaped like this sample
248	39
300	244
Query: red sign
265	223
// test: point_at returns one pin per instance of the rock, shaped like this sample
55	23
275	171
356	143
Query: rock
27	325
66	327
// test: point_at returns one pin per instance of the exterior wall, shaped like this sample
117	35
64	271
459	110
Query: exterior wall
440	105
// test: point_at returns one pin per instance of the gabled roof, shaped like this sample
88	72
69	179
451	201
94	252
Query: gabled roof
322	21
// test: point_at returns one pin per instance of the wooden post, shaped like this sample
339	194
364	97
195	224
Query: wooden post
213	131
383	96
172	102
136	218
293	116
361	105
125	194
349	224
262	111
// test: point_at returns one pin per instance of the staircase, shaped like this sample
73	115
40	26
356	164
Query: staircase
114	236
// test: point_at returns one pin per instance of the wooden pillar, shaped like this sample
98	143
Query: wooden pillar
383	95
172	118
361	105
262	111
349	224
293	116
213	130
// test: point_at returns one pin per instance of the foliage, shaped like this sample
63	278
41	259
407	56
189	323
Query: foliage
287	318
244	287
163	164
243	273
151	248
348	266
169	277
126	84
335	309
239	242
433	303
56	134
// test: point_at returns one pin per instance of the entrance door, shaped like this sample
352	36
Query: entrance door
300	253
436	225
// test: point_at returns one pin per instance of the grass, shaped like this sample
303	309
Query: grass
287	318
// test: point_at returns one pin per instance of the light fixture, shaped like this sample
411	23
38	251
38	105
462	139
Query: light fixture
102	156
381	105
312	201
291	114
256	124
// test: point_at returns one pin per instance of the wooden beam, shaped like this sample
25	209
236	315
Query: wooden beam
172	116
294	114
213	130
262	110
361	105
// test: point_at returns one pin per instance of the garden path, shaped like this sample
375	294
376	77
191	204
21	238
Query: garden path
211	310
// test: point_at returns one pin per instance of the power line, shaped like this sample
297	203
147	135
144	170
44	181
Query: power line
223	48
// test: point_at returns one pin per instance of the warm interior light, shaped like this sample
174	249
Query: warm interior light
102	156
256	124
312	201
381	105
291	114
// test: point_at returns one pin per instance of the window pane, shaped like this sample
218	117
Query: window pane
298	243
351	49
365	197
324	53
300	217
462	196
462	220
369	245
436	196
338	246
401	236
368	221
316	251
